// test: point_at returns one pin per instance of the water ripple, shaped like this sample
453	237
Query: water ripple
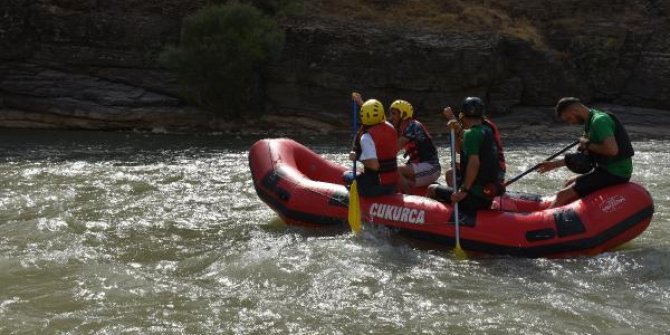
133	233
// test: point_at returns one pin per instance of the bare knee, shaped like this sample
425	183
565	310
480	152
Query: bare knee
407	171
405	184
565	196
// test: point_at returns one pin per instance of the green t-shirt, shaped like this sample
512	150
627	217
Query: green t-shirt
599	127
472	141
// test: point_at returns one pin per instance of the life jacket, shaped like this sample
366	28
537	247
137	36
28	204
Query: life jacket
385	138
418	150
622	141
489	172
499	147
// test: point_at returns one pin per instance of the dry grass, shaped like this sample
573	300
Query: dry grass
456	15
442	14
483	15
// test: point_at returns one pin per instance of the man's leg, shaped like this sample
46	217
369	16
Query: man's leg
585	185
440	192
368	186
406	179
564	197
425	173
449	177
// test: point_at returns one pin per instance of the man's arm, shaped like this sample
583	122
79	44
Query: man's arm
471	175
609	147
471	172
357	98
548	166
453	123
402	140
603	131
371	164
369	153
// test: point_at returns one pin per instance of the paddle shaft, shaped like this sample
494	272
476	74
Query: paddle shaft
507	183
354	209
354	131
457	234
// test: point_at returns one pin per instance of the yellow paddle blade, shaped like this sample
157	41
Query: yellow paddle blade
354	209
460	253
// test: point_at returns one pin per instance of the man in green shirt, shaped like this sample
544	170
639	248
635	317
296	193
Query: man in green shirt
605	140
479	161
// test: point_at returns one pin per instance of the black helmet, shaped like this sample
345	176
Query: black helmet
473	107
579	162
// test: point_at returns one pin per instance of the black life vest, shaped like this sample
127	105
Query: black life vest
489	167
499	146
622	141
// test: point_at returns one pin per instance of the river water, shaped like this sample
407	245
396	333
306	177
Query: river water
131	233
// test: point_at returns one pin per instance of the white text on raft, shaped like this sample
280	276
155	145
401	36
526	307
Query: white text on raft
396	213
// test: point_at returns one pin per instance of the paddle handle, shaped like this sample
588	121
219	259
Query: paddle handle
457	234
507	183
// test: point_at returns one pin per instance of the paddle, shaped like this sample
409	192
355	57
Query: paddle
354	215
538	164
460	253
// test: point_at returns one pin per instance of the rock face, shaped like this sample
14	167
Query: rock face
92	64
53	98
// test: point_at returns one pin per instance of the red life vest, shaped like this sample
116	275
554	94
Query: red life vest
385	138
419	150
499	146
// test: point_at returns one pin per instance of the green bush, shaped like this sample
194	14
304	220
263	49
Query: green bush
221	54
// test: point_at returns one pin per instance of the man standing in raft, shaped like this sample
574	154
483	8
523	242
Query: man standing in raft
605	141
479	161
375	147
423	165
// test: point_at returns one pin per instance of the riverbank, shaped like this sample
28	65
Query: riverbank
521	123
540	123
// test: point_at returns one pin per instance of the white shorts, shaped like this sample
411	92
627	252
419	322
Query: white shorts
425	173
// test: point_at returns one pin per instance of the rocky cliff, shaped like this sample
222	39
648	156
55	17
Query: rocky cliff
92	63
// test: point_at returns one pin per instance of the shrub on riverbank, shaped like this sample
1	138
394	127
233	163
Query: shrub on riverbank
221	55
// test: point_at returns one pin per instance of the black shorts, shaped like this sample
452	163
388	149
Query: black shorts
368	185
595	180
470	203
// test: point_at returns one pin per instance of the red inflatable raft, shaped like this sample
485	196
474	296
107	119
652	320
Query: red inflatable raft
306	189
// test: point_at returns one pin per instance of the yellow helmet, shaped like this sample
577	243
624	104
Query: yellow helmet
372	112
405	108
